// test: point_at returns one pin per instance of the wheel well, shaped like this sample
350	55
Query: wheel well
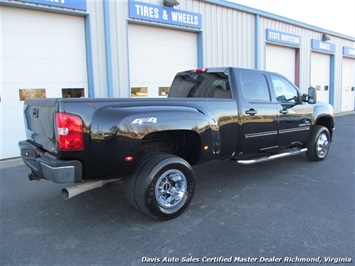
183	143
328	122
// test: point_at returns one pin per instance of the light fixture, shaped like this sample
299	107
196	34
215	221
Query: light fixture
171	3
325	37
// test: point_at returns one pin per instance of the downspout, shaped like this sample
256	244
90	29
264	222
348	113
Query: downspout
257	43
89	65
108	49
200	50
331	79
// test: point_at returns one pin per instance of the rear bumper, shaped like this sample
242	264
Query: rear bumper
47	166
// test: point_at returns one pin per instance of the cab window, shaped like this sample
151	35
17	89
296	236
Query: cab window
285	92
255	87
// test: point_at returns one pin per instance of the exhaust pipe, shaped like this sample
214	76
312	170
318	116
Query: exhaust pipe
75	190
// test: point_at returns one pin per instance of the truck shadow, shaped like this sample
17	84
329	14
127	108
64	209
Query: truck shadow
216	182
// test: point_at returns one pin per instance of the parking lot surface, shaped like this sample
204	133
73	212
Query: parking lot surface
284	211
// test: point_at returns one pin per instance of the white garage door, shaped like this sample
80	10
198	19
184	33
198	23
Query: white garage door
320	75
157	54
348	85
281	60
42	53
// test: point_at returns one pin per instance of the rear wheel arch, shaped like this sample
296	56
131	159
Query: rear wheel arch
183	143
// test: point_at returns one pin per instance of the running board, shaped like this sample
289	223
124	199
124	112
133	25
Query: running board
272	157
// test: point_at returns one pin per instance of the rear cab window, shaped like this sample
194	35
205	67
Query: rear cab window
201	85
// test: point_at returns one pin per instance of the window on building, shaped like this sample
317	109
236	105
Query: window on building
139	91
31	93
73	93
164	91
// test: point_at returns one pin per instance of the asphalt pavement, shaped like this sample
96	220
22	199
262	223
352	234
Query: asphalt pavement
280	212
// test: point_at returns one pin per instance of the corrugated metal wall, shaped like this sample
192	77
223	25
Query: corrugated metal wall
116	49
228	35
96	17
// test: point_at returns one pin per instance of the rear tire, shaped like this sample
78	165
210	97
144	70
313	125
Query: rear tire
318	144
130	182
162	187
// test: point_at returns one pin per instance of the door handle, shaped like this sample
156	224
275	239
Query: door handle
284	112
251	112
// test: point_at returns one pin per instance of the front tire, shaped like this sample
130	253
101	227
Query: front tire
318	144
163	186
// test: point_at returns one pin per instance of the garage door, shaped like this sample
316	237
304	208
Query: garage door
42	54
348	85
320	75
281	60
156	55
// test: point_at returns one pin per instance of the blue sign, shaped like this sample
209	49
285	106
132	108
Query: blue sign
72	4
323	46
164	14
348	51
283	37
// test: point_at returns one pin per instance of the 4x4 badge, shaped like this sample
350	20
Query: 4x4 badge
140	121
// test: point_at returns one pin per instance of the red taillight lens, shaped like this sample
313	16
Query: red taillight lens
70	132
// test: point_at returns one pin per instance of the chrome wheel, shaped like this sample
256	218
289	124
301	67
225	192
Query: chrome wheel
318	144
170	189
322	145
162	186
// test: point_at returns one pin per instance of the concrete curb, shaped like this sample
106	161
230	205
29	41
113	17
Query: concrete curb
345	113
13	162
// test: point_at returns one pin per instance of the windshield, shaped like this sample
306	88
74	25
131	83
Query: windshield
201	85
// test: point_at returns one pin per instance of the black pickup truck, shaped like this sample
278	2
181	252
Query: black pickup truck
242	115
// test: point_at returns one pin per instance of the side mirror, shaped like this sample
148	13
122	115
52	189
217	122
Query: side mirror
312	95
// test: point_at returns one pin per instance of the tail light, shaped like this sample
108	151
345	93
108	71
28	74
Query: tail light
70	132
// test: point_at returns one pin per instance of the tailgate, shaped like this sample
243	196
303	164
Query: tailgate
39	122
